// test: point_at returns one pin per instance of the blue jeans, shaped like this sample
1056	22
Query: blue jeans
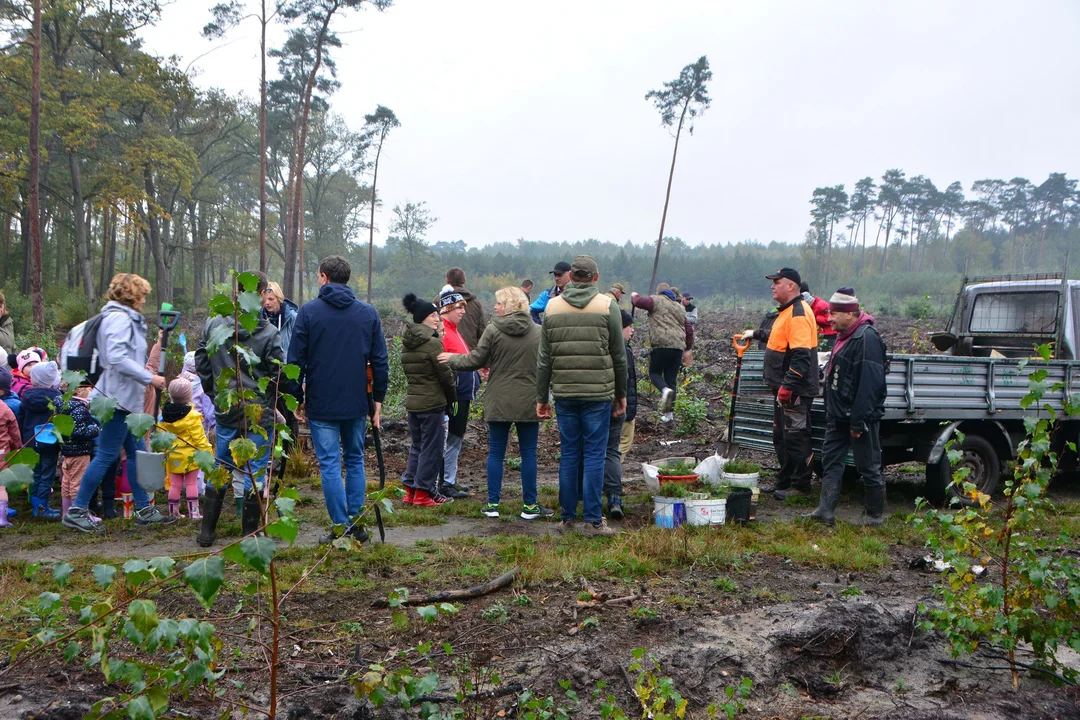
225	435
114	435
44	475
338	443
583	436
498	436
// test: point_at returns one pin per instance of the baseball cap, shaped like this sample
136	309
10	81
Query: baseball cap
584	267
619	287
688	296
561	267
787	273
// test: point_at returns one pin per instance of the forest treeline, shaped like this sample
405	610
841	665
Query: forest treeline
141	170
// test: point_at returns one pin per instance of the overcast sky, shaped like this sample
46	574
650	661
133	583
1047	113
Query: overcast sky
528	119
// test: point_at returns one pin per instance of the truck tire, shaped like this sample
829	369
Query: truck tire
980	456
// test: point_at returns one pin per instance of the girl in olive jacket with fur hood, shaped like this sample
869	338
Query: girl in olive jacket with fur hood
431	389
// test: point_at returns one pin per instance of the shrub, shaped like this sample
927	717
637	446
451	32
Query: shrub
741	467
691	412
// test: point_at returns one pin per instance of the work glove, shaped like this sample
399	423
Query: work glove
784	395
748	335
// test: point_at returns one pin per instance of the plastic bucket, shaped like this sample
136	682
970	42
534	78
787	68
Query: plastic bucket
740	479
669	513
738	504
652	468
710	511
150	470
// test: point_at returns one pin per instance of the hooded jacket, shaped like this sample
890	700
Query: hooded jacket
855	384
81	441
473	322
631	384
668	325
12	401
508	347
38	405
334	339
536	309
431	383
284	320
264	344
468	383
582	354
820	306
10	434
7	334
186	423
121	345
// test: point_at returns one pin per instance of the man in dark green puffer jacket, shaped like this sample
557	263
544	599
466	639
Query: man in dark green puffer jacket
582	362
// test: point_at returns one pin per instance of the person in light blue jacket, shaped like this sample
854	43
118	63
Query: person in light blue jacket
562	276
121	346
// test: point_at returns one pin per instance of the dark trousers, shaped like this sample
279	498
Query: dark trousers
866	450
791	439
45	473
664	364
613	458
426	451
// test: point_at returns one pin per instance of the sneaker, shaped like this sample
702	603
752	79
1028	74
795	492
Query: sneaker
532	512
79	519
410	494
667	417
667	401
567	526
150	515
490	510
598	529
790	493
440	499
422	498
360	533
454	492
328	538
615	508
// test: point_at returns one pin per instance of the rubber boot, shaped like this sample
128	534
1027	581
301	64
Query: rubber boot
874	499
42	510
250	517
65	505
174	508
193	510
239	505
212	502
4	522
826	509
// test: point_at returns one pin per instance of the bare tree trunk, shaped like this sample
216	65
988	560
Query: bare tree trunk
24	233
7	249
35	166
667	197
828	255
82	249
301	219
885	250
157	243
371	226
262	144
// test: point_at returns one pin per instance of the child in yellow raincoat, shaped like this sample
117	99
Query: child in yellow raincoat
186	423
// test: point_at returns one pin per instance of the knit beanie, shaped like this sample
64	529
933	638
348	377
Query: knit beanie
189	363
627	319
420	309
45	375
844	300
5	379
180	391
27	357
449	298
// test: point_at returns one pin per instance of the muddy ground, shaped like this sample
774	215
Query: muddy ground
815	641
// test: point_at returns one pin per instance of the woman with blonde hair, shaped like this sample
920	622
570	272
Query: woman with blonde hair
279	312
508	348
121	345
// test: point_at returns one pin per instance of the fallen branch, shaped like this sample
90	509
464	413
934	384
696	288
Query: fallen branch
628	600
596	594
450	595
1031	668
503	691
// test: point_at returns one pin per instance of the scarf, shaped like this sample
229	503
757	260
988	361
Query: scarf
865	318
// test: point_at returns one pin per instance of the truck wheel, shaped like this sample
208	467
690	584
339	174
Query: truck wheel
979	456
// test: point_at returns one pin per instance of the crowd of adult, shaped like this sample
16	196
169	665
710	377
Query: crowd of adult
567	351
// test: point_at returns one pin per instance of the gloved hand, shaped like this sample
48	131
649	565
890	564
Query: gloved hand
748	335
784	395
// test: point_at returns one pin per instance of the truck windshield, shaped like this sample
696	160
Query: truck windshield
1029	313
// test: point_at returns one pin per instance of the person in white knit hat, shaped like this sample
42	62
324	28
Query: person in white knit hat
854	405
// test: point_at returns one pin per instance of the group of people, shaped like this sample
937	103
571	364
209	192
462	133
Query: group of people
854	393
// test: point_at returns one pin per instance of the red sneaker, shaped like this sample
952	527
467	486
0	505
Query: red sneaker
410	494
422	498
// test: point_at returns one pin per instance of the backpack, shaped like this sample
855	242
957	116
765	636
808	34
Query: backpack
80	352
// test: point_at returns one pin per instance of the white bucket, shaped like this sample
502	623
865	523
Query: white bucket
749	480
669	512
710	511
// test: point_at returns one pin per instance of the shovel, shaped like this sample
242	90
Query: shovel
727	446
376	437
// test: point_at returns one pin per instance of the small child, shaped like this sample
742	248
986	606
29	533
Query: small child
10	439
24	363
10	398
78	449
431	389
186	423
40	402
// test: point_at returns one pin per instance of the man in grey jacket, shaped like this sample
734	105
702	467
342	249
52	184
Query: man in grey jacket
121	345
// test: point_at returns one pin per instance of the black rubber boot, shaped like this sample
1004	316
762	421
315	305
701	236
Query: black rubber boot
874	499
211	511
826	509
250	517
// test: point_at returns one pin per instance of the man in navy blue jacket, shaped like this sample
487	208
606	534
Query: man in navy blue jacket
334	340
